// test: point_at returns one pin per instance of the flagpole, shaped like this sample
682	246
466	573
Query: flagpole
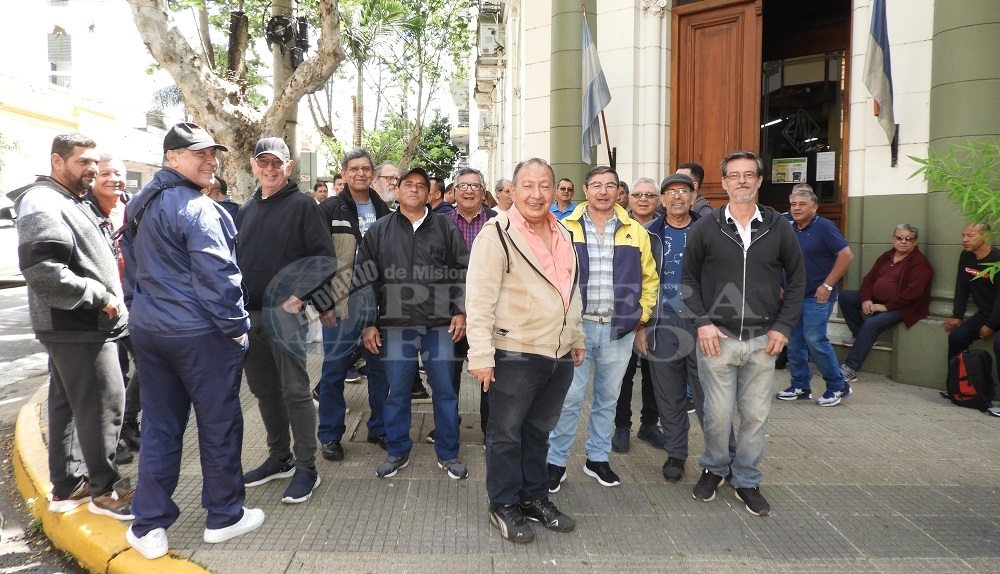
607	139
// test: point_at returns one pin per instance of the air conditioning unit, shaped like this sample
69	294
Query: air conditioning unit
490	45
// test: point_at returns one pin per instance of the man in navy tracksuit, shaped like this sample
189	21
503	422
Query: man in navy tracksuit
189	330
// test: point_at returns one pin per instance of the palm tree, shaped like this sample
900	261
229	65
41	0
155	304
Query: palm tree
368	27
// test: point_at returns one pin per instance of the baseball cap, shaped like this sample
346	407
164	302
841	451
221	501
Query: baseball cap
677	178
190	136
273	146
419	171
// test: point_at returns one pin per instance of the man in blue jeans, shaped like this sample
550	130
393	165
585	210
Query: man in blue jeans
350	213
416	260
618	282
826	256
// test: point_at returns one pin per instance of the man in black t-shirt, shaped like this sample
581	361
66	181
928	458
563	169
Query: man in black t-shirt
984	290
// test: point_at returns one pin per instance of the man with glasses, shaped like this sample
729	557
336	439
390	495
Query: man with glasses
827	256
618	282
387	182
563	205
733	268
672	337
642	204
350	214
470	216
280	277
896	290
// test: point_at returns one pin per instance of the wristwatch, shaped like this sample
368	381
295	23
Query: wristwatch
828	287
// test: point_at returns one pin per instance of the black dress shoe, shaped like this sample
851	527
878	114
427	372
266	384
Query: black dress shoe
333	451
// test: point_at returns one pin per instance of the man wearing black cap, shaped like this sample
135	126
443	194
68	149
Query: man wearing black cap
417	261
671	340
189	329
287	258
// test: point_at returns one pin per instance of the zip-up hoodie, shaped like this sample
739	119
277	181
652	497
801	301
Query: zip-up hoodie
739	290
68	264
511	304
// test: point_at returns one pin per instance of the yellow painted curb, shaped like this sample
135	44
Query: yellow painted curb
97	542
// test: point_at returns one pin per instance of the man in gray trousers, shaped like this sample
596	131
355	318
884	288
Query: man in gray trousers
75	302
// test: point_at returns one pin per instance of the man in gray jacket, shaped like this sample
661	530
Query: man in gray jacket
75	303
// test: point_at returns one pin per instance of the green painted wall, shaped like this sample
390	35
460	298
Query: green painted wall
965	83
566	97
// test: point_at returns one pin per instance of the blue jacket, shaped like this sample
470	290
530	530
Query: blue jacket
181	277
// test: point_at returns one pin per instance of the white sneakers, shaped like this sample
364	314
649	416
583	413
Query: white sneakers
154	544
252	519
151	546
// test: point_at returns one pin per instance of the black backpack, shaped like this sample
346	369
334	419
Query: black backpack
970	379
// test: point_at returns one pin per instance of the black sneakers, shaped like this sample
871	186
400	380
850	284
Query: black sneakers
756	504
602	472
557	474
707	485
673	469
391	465
333	450
270	469
548	515
652	434
305	481
511	523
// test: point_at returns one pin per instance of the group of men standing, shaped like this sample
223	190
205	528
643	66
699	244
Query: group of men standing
541	298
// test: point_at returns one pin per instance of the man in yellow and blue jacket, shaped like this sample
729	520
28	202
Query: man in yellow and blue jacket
619	282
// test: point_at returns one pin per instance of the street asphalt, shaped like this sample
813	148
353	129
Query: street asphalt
895	479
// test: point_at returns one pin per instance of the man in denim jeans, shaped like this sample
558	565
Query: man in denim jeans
733	268
826	256
619	283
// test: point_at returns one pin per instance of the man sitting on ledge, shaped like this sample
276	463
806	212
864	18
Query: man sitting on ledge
897	289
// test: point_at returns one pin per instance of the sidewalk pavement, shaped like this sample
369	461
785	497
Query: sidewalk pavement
895	479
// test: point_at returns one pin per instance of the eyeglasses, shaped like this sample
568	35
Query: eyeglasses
682	192
902	239
646	195
390	178
355	170
467	186
597	186
263	162
747	175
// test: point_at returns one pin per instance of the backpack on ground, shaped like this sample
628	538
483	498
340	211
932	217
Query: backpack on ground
970	379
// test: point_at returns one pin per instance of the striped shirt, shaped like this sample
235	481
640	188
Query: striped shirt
600	253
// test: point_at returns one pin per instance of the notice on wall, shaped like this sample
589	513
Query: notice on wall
788	170
825	165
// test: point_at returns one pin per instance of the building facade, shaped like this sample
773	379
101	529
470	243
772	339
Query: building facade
692	80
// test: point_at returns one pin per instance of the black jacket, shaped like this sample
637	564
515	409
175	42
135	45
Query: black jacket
274	234
740	291
419	276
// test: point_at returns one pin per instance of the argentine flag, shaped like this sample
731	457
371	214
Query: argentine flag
878	70
596	95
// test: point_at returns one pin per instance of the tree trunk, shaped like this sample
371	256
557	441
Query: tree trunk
205	36
239	37
217	103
